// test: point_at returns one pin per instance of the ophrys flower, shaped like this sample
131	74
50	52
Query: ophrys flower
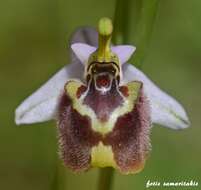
104	107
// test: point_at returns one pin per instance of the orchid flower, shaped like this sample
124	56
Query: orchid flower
104	106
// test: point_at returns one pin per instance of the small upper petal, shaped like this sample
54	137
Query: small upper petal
124	52
165	110
42	104
83	51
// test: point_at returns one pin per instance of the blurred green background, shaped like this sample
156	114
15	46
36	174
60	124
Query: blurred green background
33	45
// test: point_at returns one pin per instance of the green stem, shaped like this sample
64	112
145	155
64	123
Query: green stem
121	21
144	30
105	178
144	18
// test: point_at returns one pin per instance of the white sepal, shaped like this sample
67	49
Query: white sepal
42	104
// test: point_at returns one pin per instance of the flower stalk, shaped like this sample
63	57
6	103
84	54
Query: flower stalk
106	176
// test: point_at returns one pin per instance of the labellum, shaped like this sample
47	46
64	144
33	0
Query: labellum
102	122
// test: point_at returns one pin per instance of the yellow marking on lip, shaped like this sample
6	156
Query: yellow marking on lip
98	126
102	156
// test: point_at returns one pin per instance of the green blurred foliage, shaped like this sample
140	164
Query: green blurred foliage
33	45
